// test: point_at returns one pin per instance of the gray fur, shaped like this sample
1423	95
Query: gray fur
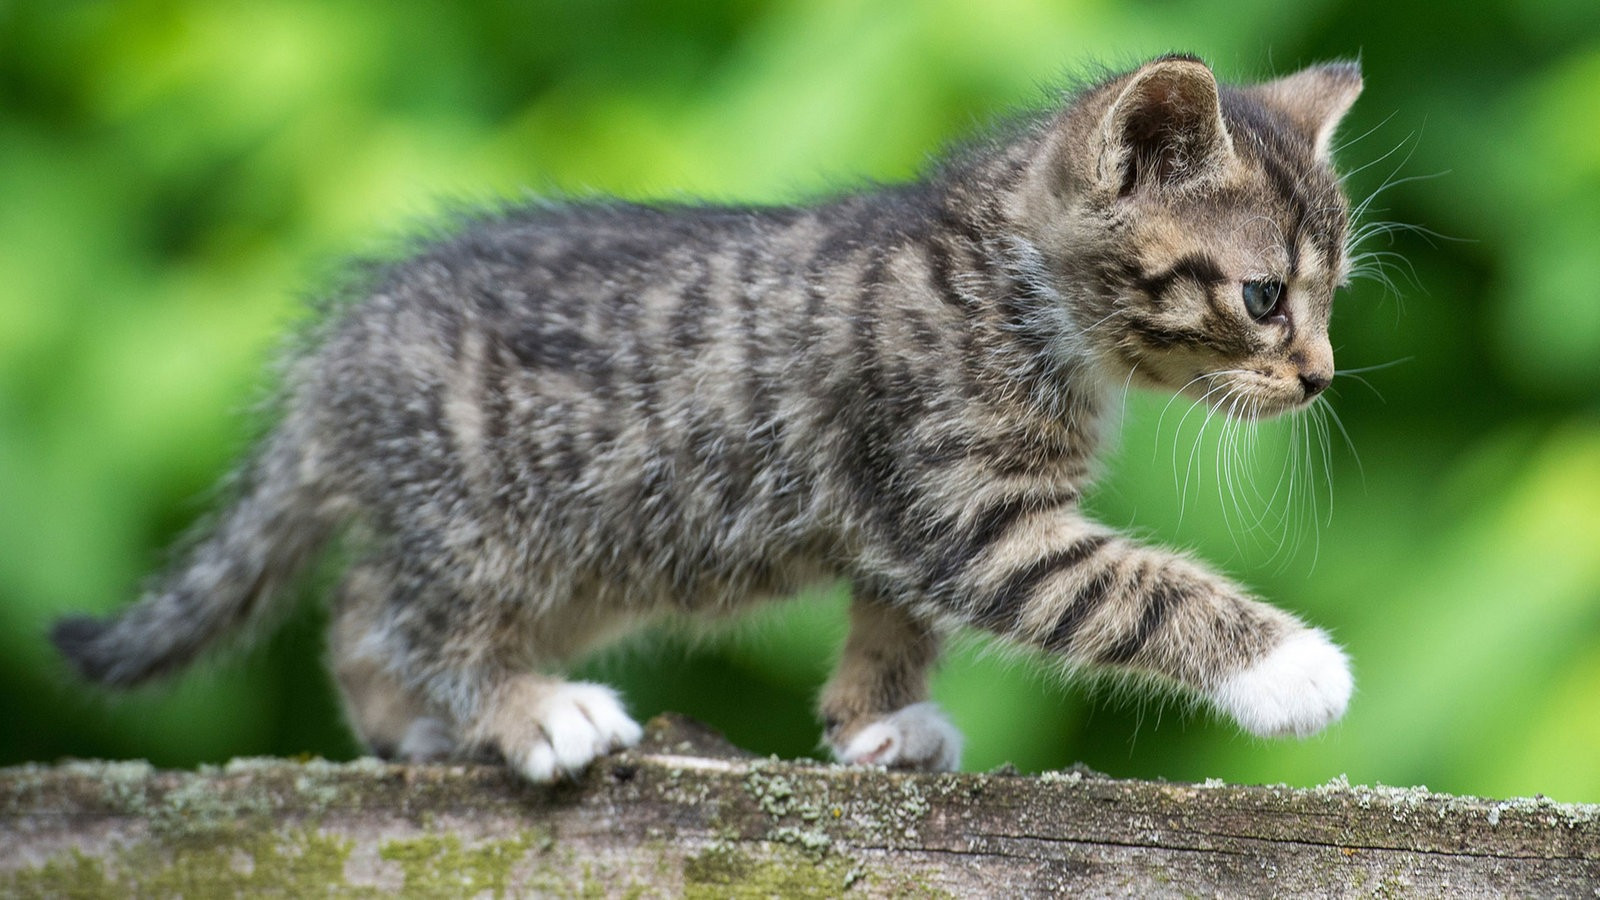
564	420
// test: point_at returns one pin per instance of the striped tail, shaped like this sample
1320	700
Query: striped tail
225	583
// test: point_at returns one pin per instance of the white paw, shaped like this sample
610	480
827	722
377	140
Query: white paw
915	737
427	739
576	722
1297	689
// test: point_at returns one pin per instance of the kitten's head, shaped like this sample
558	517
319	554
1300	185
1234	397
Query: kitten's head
1207	230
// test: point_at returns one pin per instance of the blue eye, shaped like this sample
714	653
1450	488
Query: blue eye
1261	298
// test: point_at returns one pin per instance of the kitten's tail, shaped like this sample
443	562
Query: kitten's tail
224	584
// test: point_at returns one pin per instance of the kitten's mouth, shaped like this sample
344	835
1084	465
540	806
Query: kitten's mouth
1250	395
1244	395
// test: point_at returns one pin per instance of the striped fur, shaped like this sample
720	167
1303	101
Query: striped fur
566	420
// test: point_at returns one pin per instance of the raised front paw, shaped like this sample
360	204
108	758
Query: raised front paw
1296	690
918	736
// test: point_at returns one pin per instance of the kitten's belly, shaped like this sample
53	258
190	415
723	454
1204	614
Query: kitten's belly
628	575
568	614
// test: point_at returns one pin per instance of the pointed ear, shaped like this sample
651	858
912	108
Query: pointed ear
1315	99
1164	127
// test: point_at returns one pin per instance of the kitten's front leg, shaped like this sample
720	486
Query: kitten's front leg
876	705
1055	580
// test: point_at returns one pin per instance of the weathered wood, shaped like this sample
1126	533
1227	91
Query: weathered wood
685	814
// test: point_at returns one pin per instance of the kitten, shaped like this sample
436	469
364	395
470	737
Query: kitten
566	421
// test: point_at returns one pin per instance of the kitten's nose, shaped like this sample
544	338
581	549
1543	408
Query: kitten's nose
1314	382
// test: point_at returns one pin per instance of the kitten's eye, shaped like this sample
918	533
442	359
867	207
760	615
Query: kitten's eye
1261	298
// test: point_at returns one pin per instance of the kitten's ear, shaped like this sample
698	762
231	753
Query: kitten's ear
1164	127
1315	99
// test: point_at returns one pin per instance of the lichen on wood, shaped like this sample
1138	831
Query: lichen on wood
686	814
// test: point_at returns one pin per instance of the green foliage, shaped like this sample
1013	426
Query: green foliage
173	173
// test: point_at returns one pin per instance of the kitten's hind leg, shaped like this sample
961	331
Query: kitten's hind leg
392	721
876	705
430	667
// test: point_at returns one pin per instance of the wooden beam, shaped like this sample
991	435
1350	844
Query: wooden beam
687	814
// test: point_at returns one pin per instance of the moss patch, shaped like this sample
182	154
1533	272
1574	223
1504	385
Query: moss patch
441	865
725	870
298	863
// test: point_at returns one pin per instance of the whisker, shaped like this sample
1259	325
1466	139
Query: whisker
1333	414
1273	503
1323	411
1377	368
1412	139
1290	538
1308	473
1193	403
1211	411
1225	472
1351	142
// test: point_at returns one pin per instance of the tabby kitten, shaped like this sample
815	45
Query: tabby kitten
566	421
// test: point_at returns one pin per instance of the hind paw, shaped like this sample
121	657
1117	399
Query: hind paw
562	728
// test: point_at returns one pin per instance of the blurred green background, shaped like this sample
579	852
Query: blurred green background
174	176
